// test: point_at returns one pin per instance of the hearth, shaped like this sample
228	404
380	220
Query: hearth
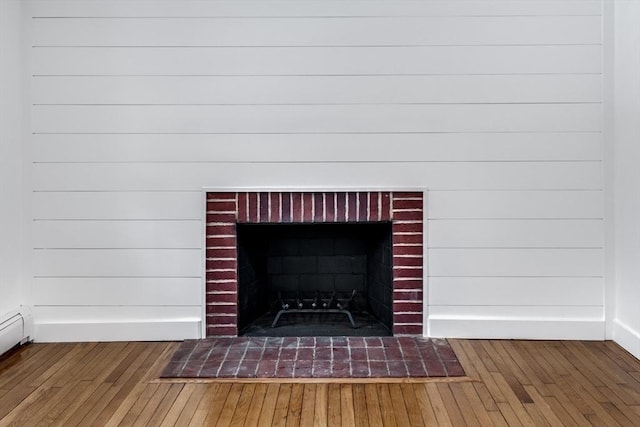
357	254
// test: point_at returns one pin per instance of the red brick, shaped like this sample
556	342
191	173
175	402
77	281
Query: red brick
374	214
221	275
225	286
407	195
407	262
408	284
215	297
220	206
407	250
413	227
352	208
222	320
286	207
407	307
407	318
385	214
253	207
407	272
263	207
221	253
221	218
219	309
407	329
296	199
406	204
318	207
407	215
274	215
221	229
307	204
222	195
407	296
221	241
219	263
341	207
243	207
330	207
408	238
363	211
222	331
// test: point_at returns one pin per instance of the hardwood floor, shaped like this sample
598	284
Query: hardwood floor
510	383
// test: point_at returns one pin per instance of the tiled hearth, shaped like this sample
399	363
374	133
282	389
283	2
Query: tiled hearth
225	210
314	357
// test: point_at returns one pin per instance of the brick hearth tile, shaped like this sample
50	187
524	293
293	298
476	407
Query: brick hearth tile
378	368
445	352
235	354
340	353
341	369
253	353
273	342
339	341
271	353
428	353
266	368
359	354
416	368
285	369
356	342
360	369
173	369
376	353
209	371
453	368
435	368
229	369
323	353
305	353
247	369
393	353
323	341
307	342
290	342
373	341
397	368
288	353
303	368
322	369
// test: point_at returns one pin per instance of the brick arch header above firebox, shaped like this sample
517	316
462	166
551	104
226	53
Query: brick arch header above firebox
226	209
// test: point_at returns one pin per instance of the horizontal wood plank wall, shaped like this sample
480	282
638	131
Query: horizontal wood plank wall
493	105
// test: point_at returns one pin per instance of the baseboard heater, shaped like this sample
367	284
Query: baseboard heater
15	328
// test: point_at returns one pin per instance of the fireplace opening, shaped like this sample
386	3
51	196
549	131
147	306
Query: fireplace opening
315	279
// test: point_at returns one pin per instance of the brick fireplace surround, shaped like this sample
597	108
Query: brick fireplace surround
226	209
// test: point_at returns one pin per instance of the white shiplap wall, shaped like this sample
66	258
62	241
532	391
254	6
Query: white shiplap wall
11	191
495	106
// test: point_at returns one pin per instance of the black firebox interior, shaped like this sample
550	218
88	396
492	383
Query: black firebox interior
313	274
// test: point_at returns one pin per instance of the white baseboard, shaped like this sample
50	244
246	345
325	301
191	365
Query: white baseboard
516	328
627	338
174	330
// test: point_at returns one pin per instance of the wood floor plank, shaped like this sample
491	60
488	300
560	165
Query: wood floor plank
253	412
320	413
308	405
269	405
295	405
359	406
346	405
242	408
373	405
334	417
512	383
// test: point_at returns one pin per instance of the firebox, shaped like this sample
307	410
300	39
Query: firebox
356	256
315	279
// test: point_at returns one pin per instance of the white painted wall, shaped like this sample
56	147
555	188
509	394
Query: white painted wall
11	191
493	105
627	175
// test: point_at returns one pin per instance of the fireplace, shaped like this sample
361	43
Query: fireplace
269	248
